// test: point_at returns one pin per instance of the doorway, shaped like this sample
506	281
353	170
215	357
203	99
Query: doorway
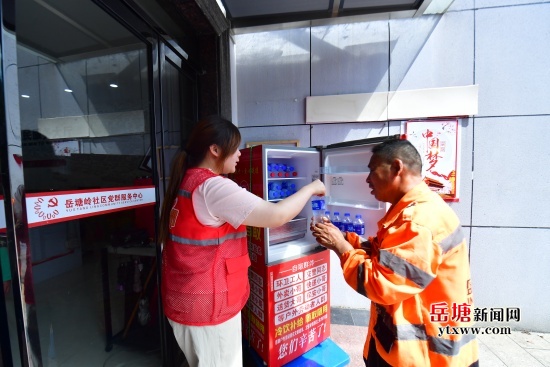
99	119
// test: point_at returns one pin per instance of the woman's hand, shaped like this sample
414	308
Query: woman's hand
318	187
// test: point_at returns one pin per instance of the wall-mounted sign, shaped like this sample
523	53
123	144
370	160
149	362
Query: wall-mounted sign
437	143
53	207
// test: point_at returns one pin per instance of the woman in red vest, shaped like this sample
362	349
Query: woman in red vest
203	231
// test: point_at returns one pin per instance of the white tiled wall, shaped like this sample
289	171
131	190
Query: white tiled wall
349	58
432	51
510	269
512	59
459	5
494	3
511	175
272	77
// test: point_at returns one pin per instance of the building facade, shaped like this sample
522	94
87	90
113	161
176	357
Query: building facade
98	94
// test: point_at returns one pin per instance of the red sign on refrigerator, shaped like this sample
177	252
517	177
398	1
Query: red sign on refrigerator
296	315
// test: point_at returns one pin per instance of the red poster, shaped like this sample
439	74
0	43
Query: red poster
437	143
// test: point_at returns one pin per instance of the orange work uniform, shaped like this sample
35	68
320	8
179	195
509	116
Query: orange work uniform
204	269
417	275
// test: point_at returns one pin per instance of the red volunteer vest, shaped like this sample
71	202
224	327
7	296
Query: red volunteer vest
204	269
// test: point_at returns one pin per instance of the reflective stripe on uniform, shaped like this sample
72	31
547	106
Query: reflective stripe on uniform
409	332
184	193
453	240
207	242
449	347
404	268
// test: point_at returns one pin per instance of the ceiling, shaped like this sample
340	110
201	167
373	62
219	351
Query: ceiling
257	13
58	29
62	29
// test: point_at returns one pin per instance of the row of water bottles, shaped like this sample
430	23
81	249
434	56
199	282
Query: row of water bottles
281	170
280	189
345	224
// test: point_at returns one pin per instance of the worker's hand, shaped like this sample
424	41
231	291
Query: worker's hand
330	236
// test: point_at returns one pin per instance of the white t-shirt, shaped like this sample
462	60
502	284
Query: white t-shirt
219	200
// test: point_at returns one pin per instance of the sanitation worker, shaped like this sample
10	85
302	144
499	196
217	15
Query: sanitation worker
415	270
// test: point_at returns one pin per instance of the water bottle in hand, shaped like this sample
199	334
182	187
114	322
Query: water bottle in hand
318	207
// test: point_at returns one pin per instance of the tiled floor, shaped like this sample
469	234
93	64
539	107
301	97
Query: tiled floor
519	349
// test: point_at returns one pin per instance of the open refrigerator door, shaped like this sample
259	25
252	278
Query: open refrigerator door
345	171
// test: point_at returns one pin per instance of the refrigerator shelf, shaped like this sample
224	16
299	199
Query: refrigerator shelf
285	178
345	170
293	230
353	203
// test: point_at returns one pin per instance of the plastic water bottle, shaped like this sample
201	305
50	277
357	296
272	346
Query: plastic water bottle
274	186
336	220
327	214
359	225
288	185
272	169
274	194
347	223
290	171
318	207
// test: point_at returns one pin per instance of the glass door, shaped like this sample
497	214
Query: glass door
179	106
83	202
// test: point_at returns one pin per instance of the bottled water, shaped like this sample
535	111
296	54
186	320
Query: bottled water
336	220
289	185
274	194
289	171
280	170
347	223
327	215
272	169
359	225
318	207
